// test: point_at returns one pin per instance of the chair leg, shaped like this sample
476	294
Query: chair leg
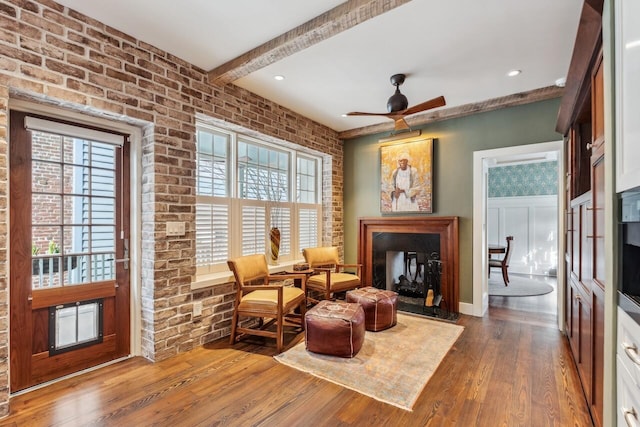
303	310
280	333
234	326
505	276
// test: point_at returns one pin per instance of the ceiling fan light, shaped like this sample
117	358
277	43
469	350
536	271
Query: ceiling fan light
397	102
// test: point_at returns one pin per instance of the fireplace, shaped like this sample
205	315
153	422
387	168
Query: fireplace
416	257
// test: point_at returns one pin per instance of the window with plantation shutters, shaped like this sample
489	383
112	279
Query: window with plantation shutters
244	188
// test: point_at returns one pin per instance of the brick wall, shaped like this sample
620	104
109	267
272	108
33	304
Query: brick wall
54	55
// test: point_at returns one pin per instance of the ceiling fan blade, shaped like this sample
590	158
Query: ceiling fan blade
432	103
401	124
357	113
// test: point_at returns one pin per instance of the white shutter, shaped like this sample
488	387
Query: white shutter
254	230
212	236
281	218
307	228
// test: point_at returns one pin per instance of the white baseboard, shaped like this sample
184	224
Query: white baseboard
466	308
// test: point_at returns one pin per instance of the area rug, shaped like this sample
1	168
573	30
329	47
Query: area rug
518	286
393	365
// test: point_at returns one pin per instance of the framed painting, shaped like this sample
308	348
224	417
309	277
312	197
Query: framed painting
406	176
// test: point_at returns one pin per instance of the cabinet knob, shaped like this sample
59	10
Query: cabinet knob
589	145
630	415
632	352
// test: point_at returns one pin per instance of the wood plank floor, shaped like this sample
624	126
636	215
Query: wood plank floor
502	371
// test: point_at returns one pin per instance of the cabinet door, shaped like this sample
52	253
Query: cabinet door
586	244
585	346
597	386
573	330
575	246
597	246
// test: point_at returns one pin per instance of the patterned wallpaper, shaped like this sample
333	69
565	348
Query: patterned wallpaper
532	179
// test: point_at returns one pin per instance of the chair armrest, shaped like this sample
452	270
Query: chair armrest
358	268
285	276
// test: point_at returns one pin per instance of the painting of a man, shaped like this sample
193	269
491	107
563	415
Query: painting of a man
405	185
405	173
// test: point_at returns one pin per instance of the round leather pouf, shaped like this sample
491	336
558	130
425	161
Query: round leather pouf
380	307
334	328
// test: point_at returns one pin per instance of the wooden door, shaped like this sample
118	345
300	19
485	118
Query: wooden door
69	220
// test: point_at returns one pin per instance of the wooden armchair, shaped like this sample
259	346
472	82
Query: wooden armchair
330	276
256	297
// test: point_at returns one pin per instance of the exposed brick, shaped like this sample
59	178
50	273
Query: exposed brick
41	74
20	55
66	22
85	88
114	75
106	82
138	71
120	75
39	22
6	9
88	64
118	53
102	37
66	69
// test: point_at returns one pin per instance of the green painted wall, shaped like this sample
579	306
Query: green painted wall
456	140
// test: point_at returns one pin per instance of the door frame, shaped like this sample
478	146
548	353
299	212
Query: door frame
135	216
481	161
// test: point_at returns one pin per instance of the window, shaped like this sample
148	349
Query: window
73	209
244	188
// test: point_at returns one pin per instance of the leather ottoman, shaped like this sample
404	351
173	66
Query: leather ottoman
380	307
335	328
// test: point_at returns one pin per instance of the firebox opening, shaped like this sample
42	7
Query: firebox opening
409	264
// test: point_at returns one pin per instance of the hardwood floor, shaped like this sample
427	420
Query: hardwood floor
501	372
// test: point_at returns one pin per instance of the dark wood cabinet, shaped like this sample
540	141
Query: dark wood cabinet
584	235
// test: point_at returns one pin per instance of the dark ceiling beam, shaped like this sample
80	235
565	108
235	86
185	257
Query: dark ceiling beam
521	98
330	23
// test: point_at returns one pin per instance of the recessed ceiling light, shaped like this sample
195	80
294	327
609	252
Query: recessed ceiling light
513	73
278	77
344	115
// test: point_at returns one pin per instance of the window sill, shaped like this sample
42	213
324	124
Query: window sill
209	280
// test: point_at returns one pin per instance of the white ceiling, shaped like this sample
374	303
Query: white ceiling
461	49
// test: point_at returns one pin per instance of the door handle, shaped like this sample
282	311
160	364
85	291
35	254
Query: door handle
632	352
629	416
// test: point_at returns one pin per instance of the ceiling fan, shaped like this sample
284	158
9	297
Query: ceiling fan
397	105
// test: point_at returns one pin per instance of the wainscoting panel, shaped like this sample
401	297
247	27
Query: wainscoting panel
532	221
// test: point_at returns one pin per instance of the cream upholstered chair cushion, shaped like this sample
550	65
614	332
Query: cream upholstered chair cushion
266	301
330	275
256	297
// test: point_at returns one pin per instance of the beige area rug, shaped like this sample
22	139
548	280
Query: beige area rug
393	365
